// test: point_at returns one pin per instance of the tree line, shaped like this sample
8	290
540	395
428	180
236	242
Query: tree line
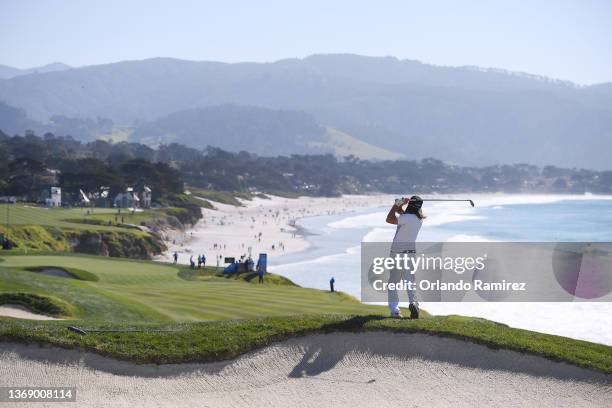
30	163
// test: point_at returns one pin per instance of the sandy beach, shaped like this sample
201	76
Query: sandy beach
259	226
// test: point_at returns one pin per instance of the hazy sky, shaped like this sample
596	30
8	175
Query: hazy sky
562	39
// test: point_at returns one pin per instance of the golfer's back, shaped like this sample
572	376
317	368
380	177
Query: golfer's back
408	226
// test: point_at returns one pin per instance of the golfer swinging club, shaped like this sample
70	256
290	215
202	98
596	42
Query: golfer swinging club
408	225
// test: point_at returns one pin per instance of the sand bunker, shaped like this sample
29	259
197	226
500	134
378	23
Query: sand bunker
21	312
349	370
52	271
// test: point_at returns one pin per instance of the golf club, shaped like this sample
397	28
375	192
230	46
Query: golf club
400	201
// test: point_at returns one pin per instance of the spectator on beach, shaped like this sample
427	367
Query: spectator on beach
331	284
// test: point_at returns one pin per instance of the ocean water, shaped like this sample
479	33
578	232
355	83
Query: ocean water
335	251
564	221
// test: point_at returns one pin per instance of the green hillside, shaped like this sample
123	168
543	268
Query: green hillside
98	231
342	144
73	218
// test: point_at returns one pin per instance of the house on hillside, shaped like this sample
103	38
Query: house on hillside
55	197
134	197
127	199
144	193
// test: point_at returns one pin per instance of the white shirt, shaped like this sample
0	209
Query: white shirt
408	227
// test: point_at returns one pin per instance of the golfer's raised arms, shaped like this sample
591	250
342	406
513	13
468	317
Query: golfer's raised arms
392	216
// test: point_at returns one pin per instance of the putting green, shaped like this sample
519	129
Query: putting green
148	291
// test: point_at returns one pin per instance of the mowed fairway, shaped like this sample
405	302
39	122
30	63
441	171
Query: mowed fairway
149	291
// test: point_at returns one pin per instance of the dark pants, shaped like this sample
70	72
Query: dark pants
331	286
260	278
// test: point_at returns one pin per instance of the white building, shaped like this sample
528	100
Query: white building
127	199
145	196
55	200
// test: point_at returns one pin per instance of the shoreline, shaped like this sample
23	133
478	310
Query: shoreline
260	226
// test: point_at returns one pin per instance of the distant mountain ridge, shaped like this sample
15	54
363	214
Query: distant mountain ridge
258	130
7	72
15	121
461	115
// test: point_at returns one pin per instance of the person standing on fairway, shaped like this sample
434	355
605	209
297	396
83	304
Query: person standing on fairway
260	273
408	223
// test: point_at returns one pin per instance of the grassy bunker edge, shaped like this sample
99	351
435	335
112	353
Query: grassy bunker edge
73	272
44	305
227	339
